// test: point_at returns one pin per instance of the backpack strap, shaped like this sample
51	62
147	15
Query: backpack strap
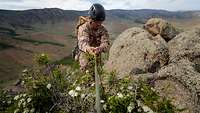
81	21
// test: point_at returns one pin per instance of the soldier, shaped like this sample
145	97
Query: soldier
92	35
159	26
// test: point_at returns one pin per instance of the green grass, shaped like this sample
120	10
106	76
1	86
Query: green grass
5	46
8	31
68	61
37	42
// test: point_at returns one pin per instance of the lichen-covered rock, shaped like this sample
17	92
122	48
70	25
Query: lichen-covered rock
137	51
180	82
159	26
186	45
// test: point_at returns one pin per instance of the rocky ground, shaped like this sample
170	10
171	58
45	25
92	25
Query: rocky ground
163	56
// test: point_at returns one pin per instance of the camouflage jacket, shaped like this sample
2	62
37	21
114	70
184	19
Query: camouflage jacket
88	37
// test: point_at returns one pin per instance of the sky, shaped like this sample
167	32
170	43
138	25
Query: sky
171	5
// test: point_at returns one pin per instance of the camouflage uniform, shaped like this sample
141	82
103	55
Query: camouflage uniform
159	26
88	37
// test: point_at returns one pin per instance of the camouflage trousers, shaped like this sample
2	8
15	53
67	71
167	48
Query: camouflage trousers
86	61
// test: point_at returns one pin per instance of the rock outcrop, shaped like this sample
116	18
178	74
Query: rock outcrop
172	67
186	45
137	51
180	82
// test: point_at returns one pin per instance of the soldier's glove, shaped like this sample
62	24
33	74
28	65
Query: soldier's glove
91	50
97	50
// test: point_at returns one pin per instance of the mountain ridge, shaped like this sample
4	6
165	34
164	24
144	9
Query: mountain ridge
55	14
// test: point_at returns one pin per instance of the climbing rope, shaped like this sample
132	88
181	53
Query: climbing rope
97	87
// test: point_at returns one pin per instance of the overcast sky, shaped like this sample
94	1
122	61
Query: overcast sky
172	5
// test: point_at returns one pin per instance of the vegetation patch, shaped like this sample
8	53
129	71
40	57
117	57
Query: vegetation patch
8	31
60	89
5	46
38	42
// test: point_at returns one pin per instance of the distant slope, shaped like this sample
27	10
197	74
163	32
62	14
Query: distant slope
64	20
29	17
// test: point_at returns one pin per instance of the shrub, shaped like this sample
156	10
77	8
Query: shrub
62	89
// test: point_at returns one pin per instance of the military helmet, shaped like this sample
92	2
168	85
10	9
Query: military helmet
97	12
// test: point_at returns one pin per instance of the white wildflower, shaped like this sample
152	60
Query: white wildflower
76	94
9	102
19	104
24	95
32	110
129	108
42	55
26	110
16	97
24	104
78	88
119	95
130	87
109	98
29	100
20	95
16	111
82	96
25	70
92	84
147	109
22	83
104	106
22	100
87	71
73	93
48	86
153	89
34	86
102	101
73	73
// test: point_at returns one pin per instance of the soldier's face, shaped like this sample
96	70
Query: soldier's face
96	24
152	28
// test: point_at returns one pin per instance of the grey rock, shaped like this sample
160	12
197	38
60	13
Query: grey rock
137	51
185	45
181	83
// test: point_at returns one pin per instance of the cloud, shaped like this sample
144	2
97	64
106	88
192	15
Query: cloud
108	4
10	1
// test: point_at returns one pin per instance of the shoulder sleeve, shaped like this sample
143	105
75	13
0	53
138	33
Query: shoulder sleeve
104	40
83	38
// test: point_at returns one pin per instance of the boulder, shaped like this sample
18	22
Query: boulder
159	26
137	51
180	82
186	45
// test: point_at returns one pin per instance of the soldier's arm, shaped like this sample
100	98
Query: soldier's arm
104	41
83	39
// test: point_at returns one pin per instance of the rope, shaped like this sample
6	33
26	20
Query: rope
97	87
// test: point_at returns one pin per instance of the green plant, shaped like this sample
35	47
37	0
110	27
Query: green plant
64	89
6	100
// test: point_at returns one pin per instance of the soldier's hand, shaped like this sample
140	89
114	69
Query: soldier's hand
91	50
97	50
